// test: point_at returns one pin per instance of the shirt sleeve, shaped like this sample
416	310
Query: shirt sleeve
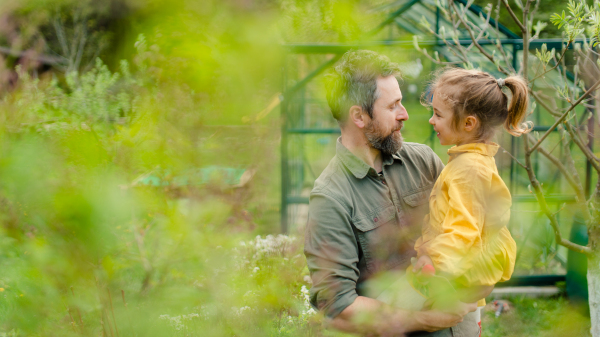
331	253
454	250
436	164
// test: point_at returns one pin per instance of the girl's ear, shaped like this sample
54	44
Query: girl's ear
357	116
471	123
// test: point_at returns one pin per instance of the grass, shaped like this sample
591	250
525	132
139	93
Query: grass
537	317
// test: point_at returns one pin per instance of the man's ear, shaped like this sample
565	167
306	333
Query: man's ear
471	123
357	116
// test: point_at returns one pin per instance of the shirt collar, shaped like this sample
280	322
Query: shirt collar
480	148
356	165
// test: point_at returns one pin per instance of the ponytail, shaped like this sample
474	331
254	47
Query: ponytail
518	106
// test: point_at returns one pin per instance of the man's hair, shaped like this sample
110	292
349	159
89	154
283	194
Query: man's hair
353	81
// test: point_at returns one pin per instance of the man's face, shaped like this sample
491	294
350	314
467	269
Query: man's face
383	131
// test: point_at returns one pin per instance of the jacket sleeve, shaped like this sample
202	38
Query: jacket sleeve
331	253
454	250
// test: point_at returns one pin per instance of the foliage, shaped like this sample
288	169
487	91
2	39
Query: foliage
536	317
89	245
105	226
67	35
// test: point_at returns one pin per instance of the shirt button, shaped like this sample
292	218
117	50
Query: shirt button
376	219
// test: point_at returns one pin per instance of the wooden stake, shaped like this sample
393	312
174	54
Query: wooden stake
113	312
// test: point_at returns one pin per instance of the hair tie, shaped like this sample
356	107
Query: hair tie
500	82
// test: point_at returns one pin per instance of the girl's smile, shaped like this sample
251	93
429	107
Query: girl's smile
442	121
449	132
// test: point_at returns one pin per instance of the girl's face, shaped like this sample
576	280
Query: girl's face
442	122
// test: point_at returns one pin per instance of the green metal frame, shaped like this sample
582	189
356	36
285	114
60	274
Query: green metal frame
339	49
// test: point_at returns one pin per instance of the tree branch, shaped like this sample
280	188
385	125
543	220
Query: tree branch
513	16
538	95
514	158
525	67
463	57
81	47
556	65
586	151
483	51
497	40
537	6
564	115
527	6
539	194
572	179
60	34
559	165
594	161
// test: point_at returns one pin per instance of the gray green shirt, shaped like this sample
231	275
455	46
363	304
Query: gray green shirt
361	223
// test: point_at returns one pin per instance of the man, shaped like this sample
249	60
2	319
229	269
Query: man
366	207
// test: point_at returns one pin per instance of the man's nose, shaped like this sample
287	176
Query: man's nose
403	115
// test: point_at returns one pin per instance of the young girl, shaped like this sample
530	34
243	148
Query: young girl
464	241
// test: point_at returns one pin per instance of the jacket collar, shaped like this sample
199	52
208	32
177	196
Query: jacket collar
481	148
357	166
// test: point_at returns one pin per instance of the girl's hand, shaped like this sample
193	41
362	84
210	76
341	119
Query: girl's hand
421	262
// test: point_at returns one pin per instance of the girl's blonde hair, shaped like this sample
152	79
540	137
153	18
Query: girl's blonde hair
477	93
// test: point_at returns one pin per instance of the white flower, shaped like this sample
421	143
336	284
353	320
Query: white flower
239	312
308	309
174	321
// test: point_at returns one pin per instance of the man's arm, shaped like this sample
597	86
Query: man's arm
332	254
475	293
369	316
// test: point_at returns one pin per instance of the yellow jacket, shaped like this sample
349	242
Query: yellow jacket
465	232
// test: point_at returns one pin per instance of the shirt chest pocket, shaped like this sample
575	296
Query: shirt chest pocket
374	230
416	206
418	198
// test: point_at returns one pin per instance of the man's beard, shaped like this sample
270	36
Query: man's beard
387	144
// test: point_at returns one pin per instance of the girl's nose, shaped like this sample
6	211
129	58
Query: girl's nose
431	120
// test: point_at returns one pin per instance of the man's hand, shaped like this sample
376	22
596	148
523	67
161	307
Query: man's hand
457	308
434	320
368	316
